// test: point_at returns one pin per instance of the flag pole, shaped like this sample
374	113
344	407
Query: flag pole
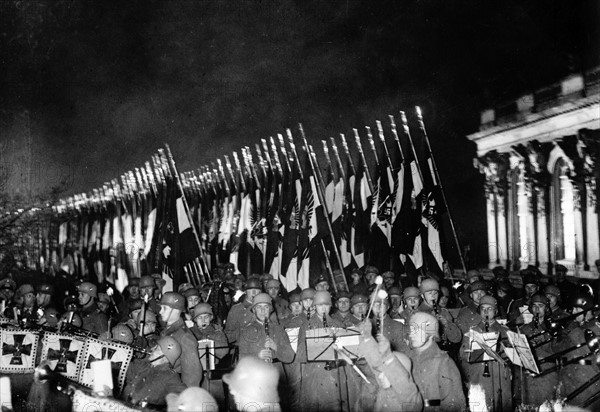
205	274
317	172
364	160
439	182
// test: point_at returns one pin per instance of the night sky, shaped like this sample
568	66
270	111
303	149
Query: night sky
106	83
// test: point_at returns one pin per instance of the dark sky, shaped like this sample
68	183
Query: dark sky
106	83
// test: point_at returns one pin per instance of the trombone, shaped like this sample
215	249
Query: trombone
591	341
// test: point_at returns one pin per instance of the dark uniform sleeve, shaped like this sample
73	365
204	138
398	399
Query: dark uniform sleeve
452	397
191	369
285	353
232	325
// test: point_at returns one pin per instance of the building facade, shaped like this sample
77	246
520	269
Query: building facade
540	155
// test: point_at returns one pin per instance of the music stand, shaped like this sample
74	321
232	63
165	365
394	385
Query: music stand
319	343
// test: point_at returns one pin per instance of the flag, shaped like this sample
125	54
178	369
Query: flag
382	214
361	197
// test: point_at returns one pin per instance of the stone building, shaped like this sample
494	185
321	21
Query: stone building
540	155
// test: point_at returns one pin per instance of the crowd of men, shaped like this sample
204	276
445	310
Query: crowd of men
415	341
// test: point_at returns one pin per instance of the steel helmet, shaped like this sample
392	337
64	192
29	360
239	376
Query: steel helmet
478	285
262	298
538	298
254	379
488	300
343	294
46	288
552	290
103	297
134	282
371	269
147	281
201	309
273	283
308	293
170	348
183	287
428	285
395	291
173	300
295	297
191	292
411	292
51	316
253	283
426	322
24	289
122	333
582	300
322	297
89	288
136	304
191	399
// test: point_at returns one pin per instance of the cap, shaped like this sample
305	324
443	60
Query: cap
170	348
191	292
371	269
25	289
504	285
134	282
173	300
262	298
46	288
308	293
147	282
322	297
122	333
429	284
343	295
294	297
321	279
561	269
8	283
201	309
89	288
473	273
552	290
254	379
500	272
358	298
358	272
183	287
488	300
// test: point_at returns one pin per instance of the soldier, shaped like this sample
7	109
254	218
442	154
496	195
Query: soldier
8	286
342	314
49	318
148	337
307	301
322	283
263	339
240	314
319	387
253	385
468	315
148	382
472	276
411	299
392	388
358	284
93	319
389	279
296	318
44	296
281	306
494	378
147	288
395	294
430	292
132	294
371	273
359	307
434	372
160	284
518	310
27	310
264	279
172	305
192	297
383	324
553	294
204	329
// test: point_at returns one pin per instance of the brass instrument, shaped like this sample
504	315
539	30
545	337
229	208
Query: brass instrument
591	341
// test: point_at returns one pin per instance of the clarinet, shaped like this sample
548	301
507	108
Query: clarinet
486	366
268	360
325	325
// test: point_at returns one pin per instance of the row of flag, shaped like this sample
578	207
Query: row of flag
279	208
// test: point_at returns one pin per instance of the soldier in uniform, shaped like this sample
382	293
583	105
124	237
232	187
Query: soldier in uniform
149	381
133	293
468	315
172	305
382	323
281	306
411	297
430	292
434	372
93	319
240	313
307	301
553	294
27	310
494	378
342	314
322	283
322	383
44	296
395	294
147	288
359	306
296	317
518	311
204	328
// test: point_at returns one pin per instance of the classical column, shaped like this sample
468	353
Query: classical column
491	228
501	233
542	230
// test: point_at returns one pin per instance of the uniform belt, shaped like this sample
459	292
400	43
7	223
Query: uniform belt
431	402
